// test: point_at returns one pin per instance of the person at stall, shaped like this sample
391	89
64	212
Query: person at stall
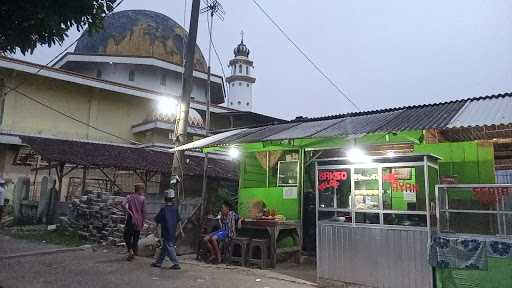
170	221
134	205
229	221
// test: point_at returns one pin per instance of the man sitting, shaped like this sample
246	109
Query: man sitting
229	221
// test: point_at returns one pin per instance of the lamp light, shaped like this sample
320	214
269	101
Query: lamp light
167	105
390	154
233	152
355	154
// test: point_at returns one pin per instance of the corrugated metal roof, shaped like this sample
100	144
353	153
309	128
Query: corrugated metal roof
357	125
423	117
304	130
237	136
481	112
266	132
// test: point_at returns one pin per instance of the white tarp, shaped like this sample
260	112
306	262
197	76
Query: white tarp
208	141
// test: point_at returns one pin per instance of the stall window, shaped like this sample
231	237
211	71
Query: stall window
288	173
334	188
366	188
392	195
367	218
403	188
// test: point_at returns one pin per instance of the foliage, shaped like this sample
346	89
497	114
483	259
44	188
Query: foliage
28	23
225	193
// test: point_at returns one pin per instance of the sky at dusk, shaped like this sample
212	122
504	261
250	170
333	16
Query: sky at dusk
381	53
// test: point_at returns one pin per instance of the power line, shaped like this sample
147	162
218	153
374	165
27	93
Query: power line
72	117
215	51
306	56
54	58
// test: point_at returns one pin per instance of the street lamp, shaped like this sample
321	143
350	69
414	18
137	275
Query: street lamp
233	152
357	155
167	105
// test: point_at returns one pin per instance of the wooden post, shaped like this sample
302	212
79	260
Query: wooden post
84	177
178	163
60	176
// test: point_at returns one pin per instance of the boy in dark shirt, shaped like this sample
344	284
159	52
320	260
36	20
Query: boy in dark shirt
169	219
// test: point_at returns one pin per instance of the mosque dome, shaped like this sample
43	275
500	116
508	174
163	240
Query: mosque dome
241	50
194	118
140	33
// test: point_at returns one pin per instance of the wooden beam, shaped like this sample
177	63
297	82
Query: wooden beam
141	176
70	170
110	179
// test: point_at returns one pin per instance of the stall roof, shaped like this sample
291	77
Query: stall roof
480	111
484	112
107	155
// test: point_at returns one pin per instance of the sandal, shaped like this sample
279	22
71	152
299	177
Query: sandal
211	260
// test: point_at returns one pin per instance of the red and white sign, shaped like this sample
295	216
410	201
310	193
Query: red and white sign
331	178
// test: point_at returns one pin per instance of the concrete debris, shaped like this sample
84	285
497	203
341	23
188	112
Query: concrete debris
99	218
148	246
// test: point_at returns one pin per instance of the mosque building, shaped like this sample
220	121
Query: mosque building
109	91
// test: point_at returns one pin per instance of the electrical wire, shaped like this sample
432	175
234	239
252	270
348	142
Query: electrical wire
71	117
217	55
305	55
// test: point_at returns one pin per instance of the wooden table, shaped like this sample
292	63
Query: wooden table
274	227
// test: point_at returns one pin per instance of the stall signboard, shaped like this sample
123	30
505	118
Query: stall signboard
331	178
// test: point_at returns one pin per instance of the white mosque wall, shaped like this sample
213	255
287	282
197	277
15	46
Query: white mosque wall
240	95
144	76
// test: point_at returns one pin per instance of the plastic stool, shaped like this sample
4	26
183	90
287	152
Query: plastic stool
238	251
258	253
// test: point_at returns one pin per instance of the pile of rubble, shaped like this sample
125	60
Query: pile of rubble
99	218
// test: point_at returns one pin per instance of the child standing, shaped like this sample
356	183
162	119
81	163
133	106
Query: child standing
169	219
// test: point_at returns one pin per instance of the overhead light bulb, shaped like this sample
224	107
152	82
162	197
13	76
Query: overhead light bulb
357	155
167	105
390	154
233	152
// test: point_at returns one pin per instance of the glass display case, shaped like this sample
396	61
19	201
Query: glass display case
387	191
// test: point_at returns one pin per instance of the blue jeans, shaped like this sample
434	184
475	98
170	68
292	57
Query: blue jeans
168	249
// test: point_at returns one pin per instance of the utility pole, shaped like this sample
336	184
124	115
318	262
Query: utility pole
212	8
178	163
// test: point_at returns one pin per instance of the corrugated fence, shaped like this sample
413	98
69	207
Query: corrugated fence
374	256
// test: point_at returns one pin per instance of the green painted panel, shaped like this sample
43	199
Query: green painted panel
497	275
252	174
273	198
471	162
486	160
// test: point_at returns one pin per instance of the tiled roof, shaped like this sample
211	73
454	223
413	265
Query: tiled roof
103	155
